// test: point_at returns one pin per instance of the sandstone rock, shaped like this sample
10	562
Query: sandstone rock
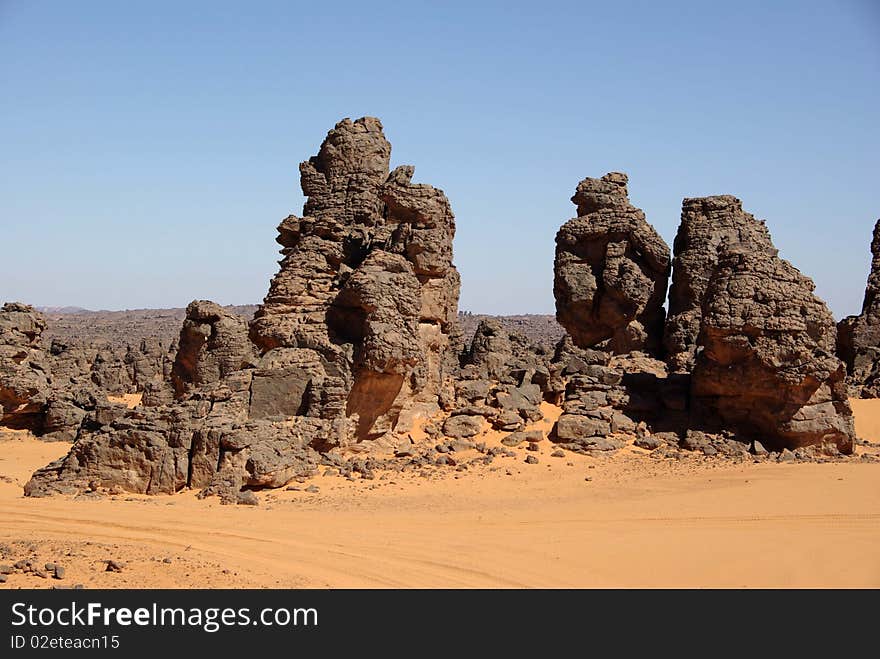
858	337
708	224
25	377
367	292
213	343
611	271
766	366
463	425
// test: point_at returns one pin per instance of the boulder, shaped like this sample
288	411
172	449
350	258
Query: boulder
611	271
766	365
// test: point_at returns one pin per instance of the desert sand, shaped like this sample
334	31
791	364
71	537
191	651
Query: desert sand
637	522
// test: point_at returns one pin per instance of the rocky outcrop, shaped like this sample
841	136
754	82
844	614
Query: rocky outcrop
363	311
213	343
858	337
766	366
611	271
357	334
204	441
707	225
25	377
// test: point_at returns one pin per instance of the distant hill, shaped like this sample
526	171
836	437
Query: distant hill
67	310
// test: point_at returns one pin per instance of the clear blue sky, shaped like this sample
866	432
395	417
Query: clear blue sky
149	149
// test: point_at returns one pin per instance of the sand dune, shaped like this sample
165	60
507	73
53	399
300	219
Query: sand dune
638	522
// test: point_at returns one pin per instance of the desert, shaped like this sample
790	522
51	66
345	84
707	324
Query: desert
357	430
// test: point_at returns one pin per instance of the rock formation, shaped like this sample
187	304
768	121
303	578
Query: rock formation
362	315
707	223
858	337
24	369
213	343
611	271
766	366
357	334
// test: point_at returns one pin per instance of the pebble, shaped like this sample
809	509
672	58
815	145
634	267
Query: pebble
313	489
60	571
531	460
114	566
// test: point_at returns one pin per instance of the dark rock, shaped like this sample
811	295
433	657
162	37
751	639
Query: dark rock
531	460
213	343
707	224
767	366
247	498
574	427
463	426
649	442
757	448
509	421
858	337
114	566
611	270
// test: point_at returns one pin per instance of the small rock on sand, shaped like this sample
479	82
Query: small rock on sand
247	498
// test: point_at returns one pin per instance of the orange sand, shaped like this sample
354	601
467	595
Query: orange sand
129	400
639	522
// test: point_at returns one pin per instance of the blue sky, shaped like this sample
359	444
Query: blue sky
150	149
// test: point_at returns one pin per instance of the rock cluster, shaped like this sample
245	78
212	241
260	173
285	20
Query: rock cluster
611	270
502	383
357	334
750	348
34	397
858	337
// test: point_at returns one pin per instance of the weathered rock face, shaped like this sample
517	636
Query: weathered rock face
24	370
858	337
707	224
611	271
213	343
765	364
363	312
